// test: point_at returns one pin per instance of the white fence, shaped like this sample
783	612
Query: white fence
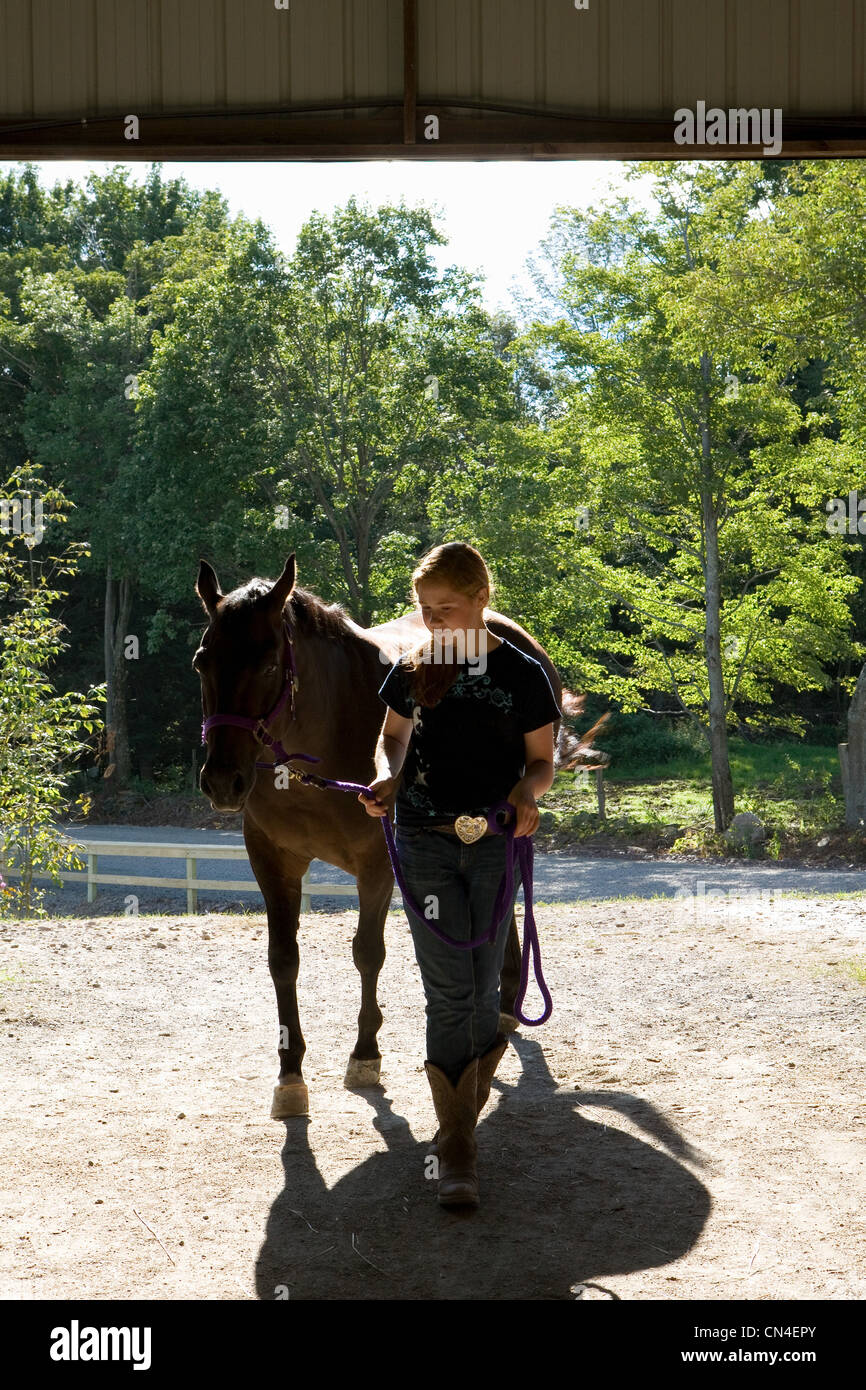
94	850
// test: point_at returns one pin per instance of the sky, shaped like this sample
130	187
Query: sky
494	213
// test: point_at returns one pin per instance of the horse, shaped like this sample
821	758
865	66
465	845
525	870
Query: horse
266	640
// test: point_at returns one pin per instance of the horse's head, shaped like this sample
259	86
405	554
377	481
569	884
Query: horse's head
242	662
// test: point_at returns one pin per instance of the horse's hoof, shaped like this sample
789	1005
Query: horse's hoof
362	1071
290	1098
507	1023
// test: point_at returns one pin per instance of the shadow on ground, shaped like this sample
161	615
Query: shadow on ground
565	1201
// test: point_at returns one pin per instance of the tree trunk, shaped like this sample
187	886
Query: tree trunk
854	764
364	561
118	605
723	788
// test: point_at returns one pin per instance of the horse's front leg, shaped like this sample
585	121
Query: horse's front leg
279	876
290	1093
368	952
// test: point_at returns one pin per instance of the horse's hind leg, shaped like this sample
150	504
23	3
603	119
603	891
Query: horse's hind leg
509	979
368	953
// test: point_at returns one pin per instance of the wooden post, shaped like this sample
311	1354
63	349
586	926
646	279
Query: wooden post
191	891
599	788
92	861
843	764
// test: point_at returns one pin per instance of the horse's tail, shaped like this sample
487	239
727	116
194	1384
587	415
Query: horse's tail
573	748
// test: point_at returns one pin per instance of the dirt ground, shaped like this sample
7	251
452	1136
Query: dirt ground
687	1125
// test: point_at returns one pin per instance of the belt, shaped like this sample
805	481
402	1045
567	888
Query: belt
469	828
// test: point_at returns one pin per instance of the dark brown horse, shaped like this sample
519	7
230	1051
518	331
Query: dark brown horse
242	662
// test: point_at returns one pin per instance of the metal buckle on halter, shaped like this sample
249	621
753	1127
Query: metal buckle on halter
308	779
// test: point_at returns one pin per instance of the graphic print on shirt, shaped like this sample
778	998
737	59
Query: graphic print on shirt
482	688
414	792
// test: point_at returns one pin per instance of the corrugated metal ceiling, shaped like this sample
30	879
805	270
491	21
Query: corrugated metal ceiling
531	77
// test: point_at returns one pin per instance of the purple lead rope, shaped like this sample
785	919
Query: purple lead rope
525	855
524	848
523	843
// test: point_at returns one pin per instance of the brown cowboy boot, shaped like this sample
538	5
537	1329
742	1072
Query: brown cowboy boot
486	1071
456	1111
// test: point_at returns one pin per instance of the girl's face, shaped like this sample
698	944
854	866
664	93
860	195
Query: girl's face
444	609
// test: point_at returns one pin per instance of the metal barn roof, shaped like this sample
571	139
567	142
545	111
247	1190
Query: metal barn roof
342	79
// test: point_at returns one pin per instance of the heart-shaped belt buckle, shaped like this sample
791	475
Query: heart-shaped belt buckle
470	828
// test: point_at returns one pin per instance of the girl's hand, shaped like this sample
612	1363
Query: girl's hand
381	789
525	804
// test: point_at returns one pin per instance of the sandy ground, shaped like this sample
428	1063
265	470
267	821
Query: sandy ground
688	1124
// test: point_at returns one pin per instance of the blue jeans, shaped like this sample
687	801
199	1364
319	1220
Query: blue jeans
461	987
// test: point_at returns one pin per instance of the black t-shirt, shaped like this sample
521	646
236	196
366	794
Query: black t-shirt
467	752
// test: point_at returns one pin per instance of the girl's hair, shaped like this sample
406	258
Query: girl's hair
460	567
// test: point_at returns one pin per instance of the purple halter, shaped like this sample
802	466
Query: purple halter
520	847
259	727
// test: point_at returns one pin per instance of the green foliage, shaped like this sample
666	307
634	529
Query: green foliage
679	475
356	404
639	743
39	727
326	391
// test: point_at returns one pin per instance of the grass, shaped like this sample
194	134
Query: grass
663	800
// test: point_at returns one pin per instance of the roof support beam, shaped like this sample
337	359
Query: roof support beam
410	69
467	131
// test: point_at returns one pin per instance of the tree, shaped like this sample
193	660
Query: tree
76	334
794	290
333	387
39	727
700	476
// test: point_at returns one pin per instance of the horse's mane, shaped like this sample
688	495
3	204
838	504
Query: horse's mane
315	618
309	615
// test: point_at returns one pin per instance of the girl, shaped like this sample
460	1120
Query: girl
469	723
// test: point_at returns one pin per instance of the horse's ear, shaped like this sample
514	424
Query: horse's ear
208	587
283	586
